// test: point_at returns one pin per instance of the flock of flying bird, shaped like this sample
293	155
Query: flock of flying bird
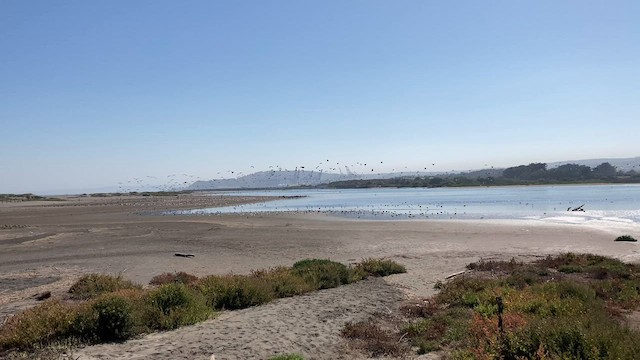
357	170
178	182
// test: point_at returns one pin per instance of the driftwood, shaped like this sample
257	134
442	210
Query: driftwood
42	296
184	255
455	274
579	208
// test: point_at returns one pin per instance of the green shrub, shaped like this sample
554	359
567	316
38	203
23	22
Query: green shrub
287	357
599	267
570	269
571	289
623	293
235	291
593	336
170	296
284	282
521	279
176	305
378	267
92	285
174	278
586	263
113	318
323	274
464	290
495	265
441	328
626	238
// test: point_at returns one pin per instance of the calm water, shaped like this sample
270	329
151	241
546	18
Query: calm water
603	204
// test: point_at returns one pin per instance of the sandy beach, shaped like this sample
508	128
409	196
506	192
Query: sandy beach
48	245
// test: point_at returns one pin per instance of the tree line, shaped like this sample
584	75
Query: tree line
532	174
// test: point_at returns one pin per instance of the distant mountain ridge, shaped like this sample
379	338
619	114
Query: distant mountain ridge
289	178
293	178
269	179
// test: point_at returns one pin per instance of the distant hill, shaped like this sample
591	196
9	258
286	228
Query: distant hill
270	179
478	173
288	178
292	178
625	164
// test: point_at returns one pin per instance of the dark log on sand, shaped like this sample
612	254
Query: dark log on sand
184	255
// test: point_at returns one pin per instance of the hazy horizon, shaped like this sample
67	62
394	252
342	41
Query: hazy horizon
180	181
95	94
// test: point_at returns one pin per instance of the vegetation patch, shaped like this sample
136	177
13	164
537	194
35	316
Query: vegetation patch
25	197
232	292
322	274
92	285
174	278
284	282
569	306
43	324
626	238
105	308
532	174
287	357
381	267
371	338
176	305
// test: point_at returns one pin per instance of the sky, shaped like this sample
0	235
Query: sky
93	93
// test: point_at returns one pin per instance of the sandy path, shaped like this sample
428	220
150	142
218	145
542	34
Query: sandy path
309	325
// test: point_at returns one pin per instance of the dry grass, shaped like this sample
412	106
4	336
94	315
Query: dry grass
369	337
174	278
92	285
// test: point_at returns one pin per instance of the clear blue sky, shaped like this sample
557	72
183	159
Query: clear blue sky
98	92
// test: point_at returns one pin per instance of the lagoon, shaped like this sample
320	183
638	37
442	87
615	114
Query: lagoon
603	204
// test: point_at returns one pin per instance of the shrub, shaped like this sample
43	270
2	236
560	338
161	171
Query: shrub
287	357
593	336
422	308
115	309
599	267
40	325
284	282
176	305
626	238
521	279
374	340
560	317
235	291
174	278
494	265
464	290
356	273
323	274
378	267
92	285
113	318
441	328
622	293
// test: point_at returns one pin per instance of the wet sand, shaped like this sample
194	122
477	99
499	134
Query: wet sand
47	245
